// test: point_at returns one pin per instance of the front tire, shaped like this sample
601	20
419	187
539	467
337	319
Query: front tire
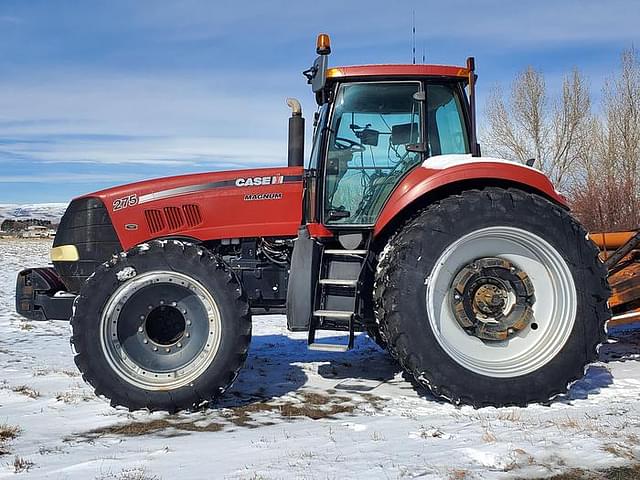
163	327
492	297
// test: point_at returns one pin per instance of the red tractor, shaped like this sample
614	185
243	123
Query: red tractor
470	270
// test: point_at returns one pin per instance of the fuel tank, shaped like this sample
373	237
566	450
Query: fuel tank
264	202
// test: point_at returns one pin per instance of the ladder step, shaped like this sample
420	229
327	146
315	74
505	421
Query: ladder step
328	347
345	252
333	313
338	282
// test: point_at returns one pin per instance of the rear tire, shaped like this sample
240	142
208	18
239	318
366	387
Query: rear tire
543	350
163	327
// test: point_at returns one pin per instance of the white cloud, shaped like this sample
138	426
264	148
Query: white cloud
169	151
68	177
144	119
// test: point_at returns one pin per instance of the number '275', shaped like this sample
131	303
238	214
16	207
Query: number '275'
124	202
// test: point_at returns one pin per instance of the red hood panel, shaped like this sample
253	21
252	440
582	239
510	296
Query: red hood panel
207	206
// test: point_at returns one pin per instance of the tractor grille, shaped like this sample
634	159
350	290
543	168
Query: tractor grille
155	220
173	218
192	214
87	225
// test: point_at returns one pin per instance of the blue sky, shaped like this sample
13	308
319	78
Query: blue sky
94	94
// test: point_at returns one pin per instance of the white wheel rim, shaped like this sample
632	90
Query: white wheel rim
147	378
554	310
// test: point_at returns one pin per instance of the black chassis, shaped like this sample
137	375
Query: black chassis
43	294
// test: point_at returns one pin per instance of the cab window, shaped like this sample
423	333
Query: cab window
445	121
372	129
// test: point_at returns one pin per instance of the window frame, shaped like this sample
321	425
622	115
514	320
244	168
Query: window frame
421	88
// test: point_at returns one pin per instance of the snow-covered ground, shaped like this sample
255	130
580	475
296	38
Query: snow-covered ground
298	414
42	211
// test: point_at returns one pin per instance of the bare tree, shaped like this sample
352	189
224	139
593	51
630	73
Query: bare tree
606	194
556	134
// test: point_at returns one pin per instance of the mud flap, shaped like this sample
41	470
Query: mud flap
41	295
303	278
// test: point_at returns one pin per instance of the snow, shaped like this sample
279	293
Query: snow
440	162
126	273
386	429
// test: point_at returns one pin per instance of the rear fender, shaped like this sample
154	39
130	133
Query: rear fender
444	174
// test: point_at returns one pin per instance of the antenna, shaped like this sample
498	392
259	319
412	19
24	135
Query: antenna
413	36
423	54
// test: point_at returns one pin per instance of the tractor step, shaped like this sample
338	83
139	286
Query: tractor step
333	313
345	252
329	347
336	304
338	282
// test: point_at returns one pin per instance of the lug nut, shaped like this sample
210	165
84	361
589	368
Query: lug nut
167	350
173	304
161	302
140	329
155	349
150	307
141	317
188	322
145	341
179	345
187	335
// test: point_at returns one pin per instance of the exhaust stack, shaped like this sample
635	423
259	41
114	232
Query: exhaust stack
295	154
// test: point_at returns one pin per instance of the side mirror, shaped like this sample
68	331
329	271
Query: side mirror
319	73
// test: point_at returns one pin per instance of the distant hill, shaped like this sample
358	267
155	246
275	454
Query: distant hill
37	211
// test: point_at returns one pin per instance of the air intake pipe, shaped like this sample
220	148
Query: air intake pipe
295	154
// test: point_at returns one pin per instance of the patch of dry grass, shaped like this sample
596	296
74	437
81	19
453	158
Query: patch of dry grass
43	372
21	464
74	396
136	429
628	472
135	473
308	405
458	474
26	391
619	451
7	433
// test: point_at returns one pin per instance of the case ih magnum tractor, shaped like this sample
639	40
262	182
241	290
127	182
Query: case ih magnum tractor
470	271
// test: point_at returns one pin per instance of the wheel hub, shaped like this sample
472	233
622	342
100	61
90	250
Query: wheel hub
489	300
160	330
165	325
492	299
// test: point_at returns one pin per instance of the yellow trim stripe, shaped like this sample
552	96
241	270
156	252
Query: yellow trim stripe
65	253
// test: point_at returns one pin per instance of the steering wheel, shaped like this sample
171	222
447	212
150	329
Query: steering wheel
342	143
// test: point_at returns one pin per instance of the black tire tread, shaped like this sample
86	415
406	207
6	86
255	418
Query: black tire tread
190	397
440	216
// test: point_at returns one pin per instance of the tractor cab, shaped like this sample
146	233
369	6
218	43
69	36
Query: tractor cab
375	124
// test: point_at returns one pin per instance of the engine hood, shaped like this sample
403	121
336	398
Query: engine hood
207	206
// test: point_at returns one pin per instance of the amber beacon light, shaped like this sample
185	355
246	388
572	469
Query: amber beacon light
323	44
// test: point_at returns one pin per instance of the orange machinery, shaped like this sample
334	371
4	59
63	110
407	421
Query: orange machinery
621	254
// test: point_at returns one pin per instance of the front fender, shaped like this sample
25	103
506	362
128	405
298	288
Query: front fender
445	171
